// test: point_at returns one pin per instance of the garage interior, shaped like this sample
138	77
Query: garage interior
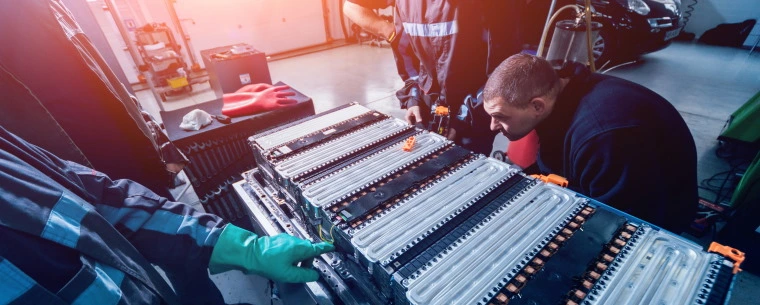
307	49
704	94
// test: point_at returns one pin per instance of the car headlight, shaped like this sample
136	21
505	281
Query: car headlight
638	6
674	6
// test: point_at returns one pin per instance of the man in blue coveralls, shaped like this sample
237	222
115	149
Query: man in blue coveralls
444	52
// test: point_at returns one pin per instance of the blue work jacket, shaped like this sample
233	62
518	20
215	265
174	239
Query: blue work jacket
71	235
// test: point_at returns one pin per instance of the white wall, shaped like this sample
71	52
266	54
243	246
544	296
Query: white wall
708	14
271	26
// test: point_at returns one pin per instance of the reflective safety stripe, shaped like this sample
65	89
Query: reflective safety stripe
440	29
104	290
63	225
13	282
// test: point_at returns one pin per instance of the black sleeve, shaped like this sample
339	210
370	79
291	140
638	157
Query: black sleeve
618	167
373	4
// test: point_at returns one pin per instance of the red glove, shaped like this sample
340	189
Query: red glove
252	102
254	88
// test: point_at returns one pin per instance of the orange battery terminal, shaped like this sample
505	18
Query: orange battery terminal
442	110
409	144
731	253
552	178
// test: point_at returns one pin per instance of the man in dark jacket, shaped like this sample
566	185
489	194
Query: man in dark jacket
71	235
444	52
614	140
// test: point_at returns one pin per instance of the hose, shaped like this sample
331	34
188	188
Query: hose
618	66
550	22
687	12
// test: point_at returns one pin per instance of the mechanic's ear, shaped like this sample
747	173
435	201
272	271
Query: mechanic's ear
538	104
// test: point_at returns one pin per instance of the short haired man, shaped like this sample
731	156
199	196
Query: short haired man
615	141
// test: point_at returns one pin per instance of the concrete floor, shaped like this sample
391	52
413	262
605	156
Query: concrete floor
705	83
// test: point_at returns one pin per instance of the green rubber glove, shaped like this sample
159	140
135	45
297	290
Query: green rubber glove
273	257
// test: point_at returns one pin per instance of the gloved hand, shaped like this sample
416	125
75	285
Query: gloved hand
273	257
452	134
252	102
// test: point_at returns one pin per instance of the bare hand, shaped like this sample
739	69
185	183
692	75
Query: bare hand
452	135
413	115
174	168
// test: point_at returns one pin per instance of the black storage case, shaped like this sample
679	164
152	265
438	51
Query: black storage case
228	72
219	152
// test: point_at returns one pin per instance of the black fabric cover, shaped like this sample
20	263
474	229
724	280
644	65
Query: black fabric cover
728	34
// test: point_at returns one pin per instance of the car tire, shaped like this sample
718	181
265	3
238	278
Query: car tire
603	47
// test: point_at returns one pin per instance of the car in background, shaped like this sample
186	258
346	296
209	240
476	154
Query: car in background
630	28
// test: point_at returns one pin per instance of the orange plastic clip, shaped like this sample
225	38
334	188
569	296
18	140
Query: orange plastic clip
442	110
409	144
731	253
552	178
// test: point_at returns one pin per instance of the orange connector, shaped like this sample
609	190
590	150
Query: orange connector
409	144
731	253
442	110
552	178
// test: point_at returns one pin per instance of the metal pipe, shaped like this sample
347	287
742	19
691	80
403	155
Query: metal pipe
116	15
133	52
326	18
178	26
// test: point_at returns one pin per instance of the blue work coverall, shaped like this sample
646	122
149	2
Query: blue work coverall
446	50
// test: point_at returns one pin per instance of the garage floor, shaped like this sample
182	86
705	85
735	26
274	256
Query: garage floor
705	83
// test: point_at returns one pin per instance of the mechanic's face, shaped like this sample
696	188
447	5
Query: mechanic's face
515	122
